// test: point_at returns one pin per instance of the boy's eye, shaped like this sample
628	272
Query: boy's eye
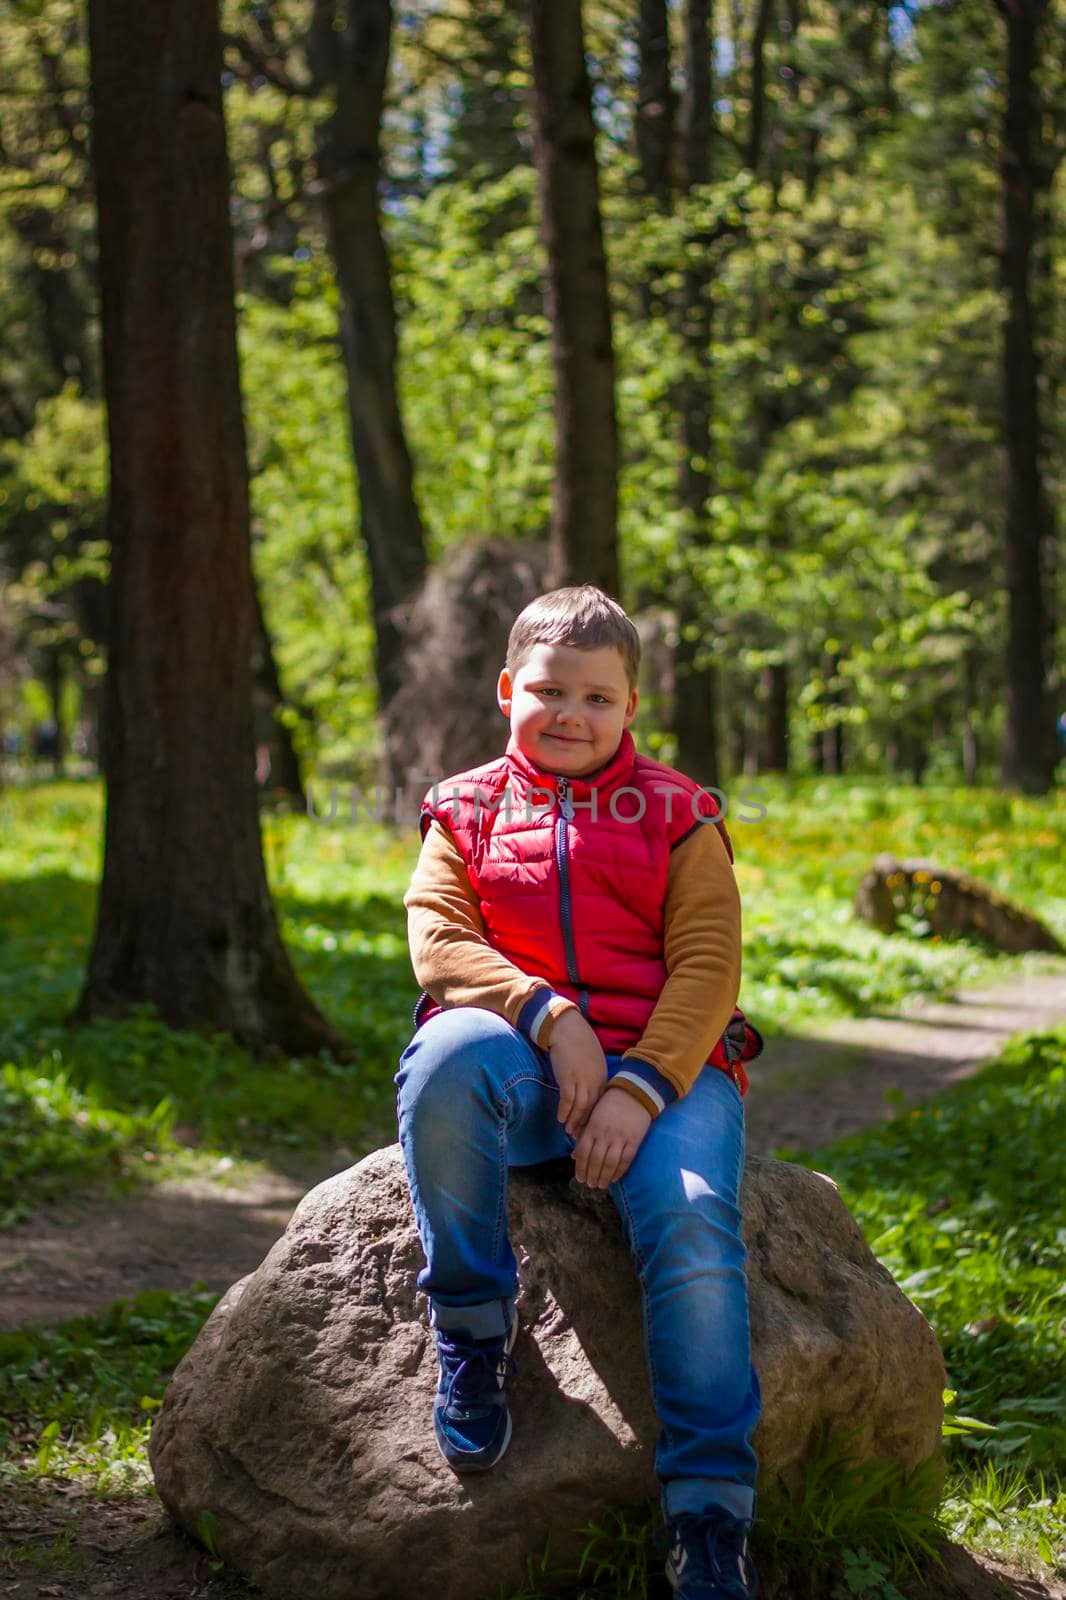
547	691
601	699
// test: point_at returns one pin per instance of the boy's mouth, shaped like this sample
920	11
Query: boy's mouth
565	738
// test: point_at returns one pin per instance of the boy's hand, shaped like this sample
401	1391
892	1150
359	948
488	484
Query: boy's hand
580	1069
612	1137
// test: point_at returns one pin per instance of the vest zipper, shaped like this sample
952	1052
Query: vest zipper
566	910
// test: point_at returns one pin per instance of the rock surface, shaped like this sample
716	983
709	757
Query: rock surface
952	903
301	1418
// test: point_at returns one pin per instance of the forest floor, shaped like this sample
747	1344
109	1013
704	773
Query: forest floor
59	1540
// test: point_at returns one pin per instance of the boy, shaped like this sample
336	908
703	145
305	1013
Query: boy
575	925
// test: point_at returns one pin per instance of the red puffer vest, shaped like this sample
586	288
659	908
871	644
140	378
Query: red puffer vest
571	874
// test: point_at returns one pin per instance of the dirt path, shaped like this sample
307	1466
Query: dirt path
807	1089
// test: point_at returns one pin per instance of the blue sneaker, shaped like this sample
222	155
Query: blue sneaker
707	1556
470	1415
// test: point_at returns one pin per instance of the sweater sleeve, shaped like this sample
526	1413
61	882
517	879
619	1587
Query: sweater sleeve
701	945
451	955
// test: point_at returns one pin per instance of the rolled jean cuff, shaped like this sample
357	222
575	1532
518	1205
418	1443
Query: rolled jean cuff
490	1320
697	1494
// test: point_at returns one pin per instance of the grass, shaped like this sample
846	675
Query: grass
183	1098
962	1198
77	1400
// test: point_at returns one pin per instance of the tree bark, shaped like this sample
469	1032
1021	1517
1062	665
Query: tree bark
349	49
971	752
758	85
1029	745
695	728
773	754
185	920
656	101
833	737
282	777
55	700
584	531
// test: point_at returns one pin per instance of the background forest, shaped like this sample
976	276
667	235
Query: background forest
810	280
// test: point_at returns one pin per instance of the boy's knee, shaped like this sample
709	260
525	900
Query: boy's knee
451	1058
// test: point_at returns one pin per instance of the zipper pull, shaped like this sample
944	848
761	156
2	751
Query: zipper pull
565	805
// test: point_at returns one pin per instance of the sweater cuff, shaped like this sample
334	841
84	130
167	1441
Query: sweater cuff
537	1017
645	1083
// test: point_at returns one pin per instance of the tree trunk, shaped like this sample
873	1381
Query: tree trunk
655	101
1028	746
55	700
971	754
758	85
584	532
694	728
185	920
833	737
773	754
349	48
279	775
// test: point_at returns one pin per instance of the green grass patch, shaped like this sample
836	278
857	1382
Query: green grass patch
964	1200
55	1137
77	1401
805	955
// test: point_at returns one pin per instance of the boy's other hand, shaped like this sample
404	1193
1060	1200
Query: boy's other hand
611	1138
580	1069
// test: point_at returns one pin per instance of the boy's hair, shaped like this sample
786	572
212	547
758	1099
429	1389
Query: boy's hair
584	617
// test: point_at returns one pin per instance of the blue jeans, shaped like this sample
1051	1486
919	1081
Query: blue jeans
475	1097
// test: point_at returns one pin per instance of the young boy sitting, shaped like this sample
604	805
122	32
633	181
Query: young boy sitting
575	924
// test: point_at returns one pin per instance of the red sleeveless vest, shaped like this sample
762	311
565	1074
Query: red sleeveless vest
571	876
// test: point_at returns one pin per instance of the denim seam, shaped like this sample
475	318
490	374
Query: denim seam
642	1269
503	1109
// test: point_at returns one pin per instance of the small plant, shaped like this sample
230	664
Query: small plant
864	1578
619	1553
872	1507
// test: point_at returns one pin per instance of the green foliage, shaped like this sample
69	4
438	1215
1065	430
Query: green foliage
962	1199
971	1225
92	1102
76	1401
800	864
54	1137
868	1518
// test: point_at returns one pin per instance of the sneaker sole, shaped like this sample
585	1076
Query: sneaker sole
485	1466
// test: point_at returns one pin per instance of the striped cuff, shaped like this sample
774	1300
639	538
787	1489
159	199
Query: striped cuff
645	1083
539	1011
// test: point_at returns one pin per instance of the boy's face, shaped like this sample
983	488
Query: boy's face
568	708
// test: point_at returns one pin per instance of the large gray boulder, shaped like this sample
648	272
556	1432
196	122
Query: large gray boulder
301	1418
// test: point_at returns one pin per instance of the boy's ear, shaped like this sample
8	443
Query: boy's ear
631	708
504	692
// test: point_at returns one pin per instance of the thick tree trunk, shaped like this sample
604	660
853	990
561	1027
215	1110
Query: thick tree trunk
584	532
773	752
695	730
349	47
656	101
185	919
1028	746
